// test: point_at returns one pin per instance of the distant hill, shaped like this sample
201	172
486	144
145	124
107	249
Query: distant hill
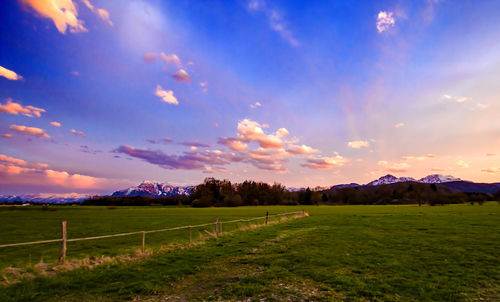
55	198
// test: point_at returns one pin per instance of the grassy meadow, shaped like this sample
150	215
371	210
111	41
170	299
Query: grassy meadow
354	253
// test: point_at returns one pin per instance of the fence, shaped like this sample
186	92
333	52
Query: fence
218	225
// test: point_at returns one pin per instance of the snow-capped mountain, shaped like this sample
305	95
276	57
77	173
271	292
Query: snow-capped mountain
438	178
429	179
389	179
156	189
46	198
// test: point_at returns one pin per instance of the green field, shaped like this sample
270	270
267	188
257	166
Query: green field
355	253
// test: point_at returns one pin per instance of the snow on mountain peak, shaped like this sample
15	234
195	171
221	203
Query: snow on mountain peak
438	178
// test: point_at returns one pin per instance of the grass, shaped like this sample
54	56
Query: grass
354	253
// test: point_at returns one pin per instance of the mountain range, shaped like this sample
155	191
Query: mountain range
159	189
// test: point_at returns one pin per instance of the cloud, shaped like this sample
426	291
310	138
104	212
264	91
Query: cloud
358	144
16	108
75	73
203	86
62	12
324	163
171	59
399	125
491	170
382	163
419	158
455	98
482	106
189	160
462	163
166	96
194	144
14	171
385	20
7	135
490	154
275	19
75	132
250	131
149	57
31	131
12	160
233	143
181	76
398	168
303	149
102	13
210	170
9	74
257	104
55	124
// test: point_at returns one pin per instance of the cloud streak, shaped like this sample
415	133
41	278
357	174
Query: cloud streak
385	20
29	131
9	74
12	107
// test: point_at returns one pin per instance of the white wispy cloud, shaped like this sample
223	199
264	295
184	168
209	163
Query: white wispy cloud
30	131
385	20
358	144
102	13
276	20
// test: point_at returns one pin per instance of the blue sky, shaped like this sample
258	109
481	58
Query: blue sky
361	89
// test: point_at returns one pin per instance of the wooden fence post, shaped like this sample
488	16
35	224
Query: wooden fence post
216	226
303	212
62	253
143	241
190	234
267	216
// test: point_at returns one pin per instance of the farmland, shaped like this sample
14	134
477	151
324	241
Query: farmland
381	253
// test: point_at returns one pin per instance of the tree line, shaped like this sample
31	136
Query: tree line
223	193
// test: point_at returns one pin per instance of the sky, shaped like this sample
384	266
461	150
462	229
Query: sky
96	96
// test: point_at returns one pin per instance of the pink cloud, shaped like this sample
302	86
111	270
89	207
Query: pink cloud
182	76
12	160
102	13
55	124
302	149
233	143
75	132
12	107
358	144
325	163
149	57
31	131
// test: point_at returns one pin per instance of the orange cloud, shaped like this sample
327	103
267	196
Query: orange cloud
16	108
12	160
55	124
32	131
166	96
7	135
491	170
102	13
75	132
9	74
62	12
249	130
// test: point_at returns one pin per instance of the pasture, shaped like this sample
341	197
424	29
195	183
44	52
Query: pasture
355	253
